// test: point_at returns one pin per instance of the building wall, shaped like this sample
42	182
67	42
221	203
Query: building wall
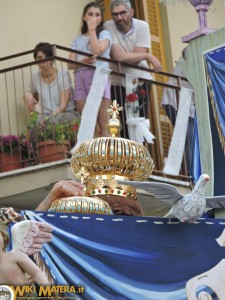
24	23
182	20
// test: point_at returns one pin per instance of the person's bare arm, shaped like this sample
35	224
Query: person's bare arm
87	60
63	188
135	57
72	57
97	47
29	267
65	97
31	101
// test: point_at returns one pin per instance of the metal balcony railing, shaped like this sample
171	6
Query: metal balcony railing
21	131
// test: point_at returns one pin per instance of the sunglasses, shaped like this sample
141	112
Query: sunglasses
121	14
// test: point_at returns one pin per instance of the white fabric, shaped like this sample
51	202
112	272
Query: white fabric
91	108
138	37
138	128
176	149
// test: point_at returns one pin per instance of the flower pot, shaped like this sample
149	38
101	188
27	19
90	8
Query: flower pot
9	162
49	151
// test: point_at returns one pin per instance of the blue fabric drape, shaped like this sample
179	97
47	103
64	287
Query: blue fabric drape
128	257
215	76
216	71
196	162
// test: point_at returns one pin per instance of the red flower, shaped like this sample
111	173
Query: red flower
132	97
142	92
75	127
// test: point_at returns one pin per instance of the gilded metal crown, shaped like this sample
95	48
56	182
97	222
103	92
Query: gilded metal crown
81	205
100	162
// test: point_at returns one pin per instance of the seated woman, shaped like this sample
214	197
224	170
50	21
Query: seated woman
50	89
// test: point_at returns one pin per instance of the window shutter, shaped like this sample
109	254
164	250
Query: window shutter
105	6
158	50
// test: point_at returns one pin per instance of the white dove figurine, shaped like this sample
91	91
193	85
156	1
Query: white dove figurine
187	208
191	206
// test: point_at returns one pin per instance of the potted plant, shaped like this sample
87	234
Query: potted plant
13	150
54	136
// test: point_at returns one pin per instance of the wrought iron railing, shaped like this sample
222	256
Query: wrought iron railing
20	131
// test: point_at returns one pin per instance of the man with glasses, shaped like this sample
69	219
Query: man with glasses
131	41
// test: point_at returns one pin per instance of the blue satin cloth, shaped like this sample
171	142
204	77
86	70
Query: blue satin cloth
196	170
132	258
215	61
215	70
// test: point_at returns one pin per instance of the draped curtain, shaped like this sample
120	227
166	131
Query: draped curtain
121	257
198	69
215	74
196	161
215	78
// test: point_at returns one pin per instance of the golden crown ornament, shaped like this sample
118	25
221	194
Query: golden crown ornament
108	159
82	205
100	162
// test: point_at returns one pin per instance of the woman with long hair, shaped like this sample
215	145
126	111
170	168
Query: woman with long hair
94	40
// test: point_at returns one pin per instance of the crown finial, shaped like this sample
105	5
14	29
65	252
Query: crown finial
114	109
114	124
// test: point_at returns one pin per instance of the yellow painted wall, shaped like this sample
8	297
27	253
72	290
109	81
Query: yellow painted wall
182	20
24	23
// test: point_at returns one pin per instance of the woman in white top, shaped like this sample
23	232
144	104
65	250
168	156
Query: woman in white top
49	89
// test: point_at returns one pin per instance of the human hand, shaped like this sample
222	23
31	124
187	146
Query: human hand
66	188
90	59
63	188
56	111
91	22
156	64
30	101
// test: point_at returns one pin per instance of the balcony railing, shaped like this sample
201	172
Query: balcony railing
20	131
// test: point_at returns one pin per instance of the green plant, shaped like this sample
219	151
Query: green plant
54	128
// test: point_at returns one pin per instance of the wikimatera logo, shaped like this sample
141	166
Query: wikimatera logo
32	292
6	293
